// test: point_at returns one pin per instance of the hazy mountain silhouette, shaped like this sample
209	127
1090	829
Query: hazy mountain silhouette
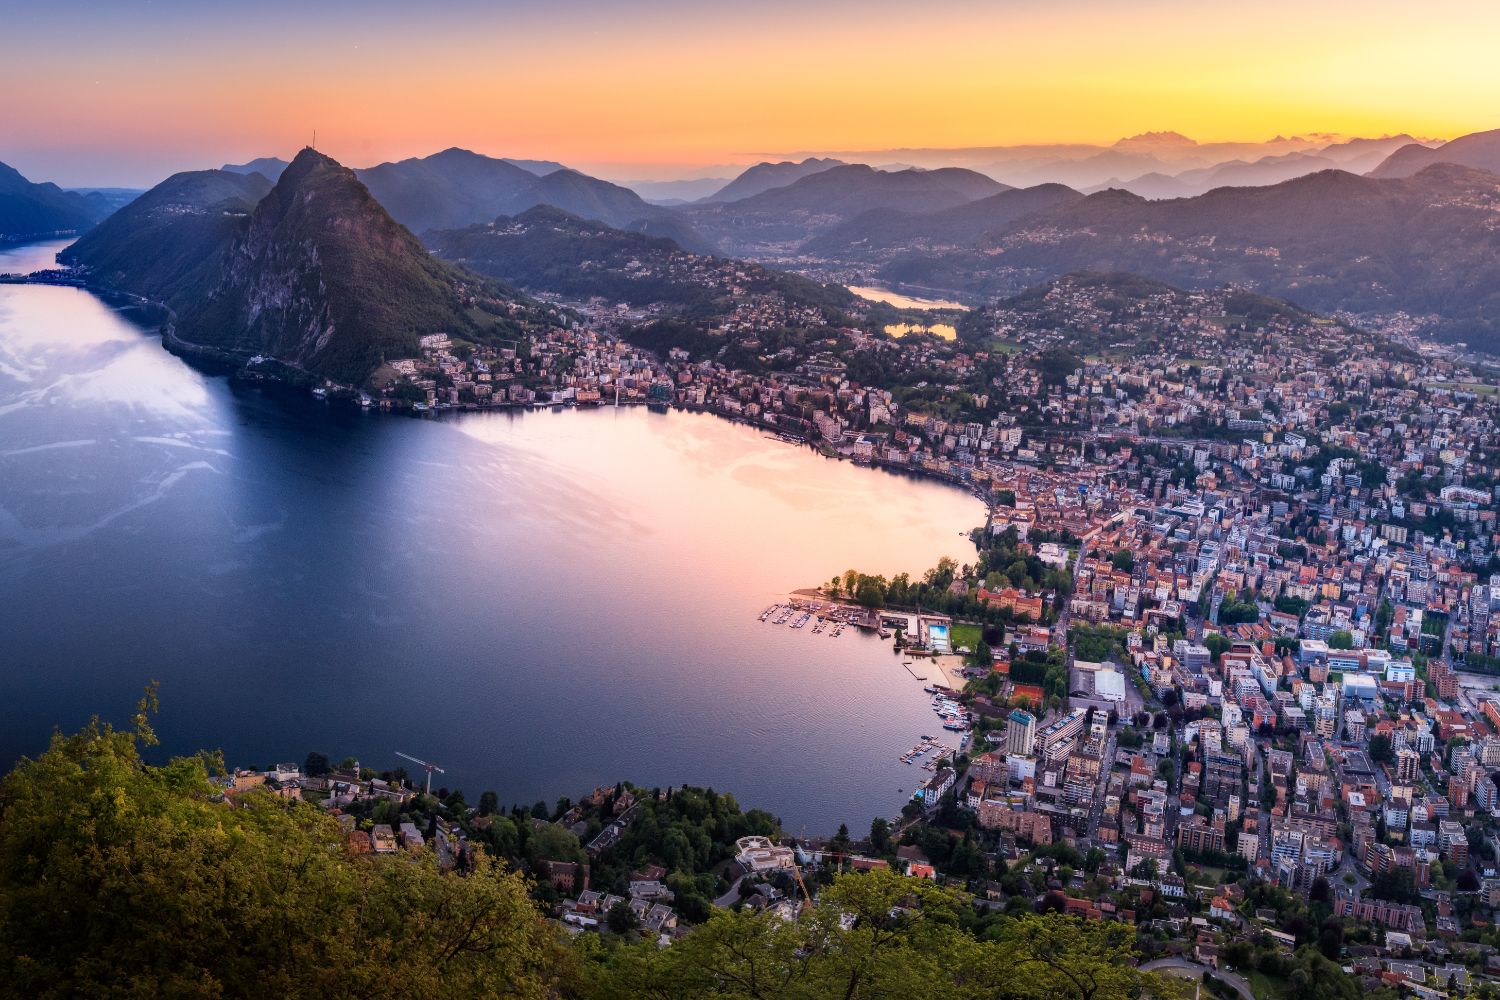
1477	149
764	176
28	209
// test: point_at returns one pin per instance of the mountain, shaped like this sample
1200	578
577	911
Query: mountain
1153	186
881	232
1330	240
1478	149
270	166
539	167
764	176
107	200
1095	169
1358	150
29	210
320	276
1234	173
155	241
547	249
1155	140
677	231
457	188
778	221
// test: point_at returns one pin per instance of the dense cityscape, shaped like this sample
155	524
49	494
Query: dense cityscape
1224	649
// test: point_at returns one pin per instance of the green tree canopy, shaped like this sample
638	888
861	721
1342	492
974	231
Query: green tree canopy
123	879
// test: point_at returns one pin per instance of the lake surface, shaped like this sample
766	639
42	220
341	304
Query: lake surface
903	301
539	602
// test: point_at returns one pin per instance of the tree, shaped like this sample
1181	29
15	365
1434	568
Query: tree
554	843
880	835
1217	645
1123	560
869	594
316	764
621	918
1395	886
1341	640
1380	748
489	804
117	876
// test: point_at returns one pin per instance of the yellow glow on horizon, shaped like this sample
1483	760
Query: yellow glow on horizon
730	86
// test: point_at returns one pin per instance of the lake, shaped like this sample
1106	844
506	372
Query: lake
539	602
903	301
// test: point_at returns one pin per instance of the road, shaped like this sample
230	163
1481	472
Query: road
1106	768
727	900
1237	982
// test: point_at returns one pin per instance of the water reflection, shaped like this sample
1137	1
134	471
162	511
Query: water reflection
541	601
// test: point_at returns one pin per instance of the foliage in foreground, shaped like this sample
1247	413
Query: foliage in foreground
125	880
122	879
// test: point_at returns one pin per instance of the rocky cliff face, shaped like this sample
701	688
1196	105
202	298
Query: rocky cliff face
320	276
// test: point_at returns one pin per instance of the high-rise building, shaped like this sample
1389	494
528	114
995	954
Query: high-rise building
1020	733
1408	764
1055	743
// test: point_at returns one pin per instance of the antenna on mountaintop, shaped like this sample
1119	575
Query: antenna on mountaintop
315	139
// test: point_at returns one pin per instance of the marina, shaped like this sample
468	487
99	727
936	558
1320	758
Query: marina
830	618
834	618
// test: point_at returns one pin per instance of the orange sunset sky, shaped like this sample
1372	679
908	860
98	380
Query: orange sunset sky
123	94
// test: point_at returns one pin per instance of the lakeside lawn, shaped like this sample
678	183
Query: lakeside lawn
965	635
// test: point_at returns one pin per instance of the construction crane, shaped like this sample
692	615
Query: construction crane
430	768
797	872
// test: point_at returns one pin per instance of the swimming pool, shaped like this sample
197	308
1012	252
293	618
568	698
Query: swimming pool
937	637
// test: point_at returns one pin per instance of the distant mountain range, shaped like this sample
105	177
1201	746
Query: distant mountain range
779	220
879	233
457	188
311	270
764	176
1145	163
1429	243
546	249
27	209
269	167
1479	149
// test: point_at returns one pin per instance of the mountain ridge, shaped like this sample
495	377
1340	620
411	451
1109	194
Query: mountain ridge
1480	150
322	277
873	234
779	220
457	187
30	209
766	175
547	249
1329	240
149	246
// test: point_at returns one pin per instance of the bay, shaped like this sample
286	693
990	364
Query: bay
538	601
